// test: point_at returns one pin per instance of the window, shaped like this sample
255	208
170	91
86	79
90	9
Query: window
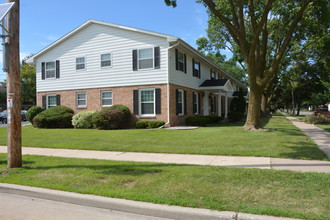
50	69
80	63
180	102
51	101
106	60
196	68
106	98
181	61
195	103
81	99
213	75
147	100
146	58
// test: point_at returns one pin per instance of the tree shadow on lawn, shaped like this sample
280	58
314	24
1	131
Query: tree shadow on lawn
287	131
120	169
301	151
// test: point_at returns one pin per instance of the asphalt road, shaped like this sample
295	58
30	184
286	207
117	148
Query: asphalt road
24	123
18	207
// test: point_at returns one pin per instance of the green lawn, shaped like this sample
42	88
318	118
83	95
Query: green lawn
282	140
270	192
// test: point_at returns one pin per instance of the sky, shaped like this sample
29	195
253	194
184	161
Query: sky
44	21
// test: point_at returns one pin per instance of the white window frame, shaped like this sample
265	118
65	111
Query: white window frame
197	103
47	101
140	102
180	91
106	98
77	100
215	75
81	63
106	60
50	70
199	66
153	58
183	63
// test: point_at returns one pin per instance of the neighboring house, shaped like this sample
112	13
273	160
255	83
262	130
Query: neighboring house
158	76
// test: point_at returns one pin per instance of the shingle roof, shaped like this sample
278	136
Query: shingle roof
236	93
214	82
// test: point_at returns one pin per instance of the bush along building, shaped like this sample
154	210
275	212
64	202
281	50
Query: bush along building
157	76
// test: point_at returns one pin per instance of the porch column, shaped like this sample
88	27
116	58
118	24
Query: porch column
219	105
226	105
206	103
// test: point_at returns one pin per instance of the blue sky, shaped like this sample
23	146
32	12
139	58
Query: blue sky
44	21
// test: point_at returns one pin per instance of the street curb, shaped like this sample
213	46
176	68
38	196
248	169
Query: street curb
123	205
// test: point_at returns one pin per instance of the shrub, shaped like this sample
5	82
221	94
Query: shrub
235	116
32	112
319	119
54	117
114	117
198	120
141	124
214	118
149	124
83	119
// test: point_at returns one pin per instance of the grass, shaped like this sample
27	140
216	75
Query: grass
281	139
268	192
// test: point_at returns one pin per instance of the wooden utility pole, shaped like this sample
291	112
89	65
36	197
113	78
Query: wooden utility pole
14	89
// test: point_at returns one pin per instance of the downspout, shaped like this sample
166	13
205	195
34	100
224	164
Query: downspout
168	85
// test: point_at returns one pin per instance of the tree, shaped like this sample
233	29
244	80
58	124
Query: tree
28	83
259	34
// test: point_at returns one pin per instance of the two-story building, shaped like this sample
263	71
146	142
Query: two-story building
158	76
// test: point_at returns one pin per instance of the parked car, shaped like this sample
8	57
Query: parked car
322	111
3	116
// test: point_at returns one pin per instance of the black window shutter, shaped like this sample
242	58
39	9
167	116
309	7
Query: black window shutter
58	99
178	110
185	63
193	67
185	102
176	60
57	69
199	70
158	101
135	66
44	102
193	103
211	77
210	98
136	102
43	70
199	104
157	57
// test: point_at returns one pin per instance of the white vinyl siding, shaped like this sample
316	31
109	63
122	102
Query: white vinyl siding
147	102
91	42
106	98
51	101
50	69
106	60
80	63
81	99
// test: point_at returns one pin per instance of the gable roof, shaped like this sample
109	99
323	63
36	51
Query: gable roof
89	22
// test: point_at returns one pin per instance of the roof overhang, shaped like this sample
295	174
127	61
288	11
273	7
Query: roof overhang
217	85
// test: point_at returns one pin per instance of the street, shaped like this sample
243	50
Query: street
18	207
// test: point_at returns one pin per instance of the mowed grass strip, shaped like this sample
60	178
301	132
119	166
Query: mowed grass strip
281	139
269	192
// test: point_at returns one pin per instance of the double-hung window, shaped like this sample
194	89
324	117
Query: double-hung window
195	103
147	101
213	75
106	98
50	69
81	99
106	60
196	69
146	58
51	101
80	63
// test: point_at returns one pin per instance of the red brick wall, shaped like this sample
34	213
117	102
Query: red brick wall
120	95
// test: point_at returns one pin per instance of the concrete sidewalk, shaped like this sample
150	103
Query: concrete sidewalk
209	160
318	135
133	209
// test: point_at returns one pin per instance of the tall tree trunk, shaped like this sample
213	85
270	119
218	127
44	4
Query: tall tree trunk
254	109
298	109
293	104
265	108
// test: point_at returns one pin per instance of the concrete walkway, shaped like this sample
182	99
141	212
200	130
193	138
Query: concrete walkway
210	160
318	135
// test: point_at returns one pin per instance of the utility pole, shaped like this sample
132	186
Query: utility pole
14	142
